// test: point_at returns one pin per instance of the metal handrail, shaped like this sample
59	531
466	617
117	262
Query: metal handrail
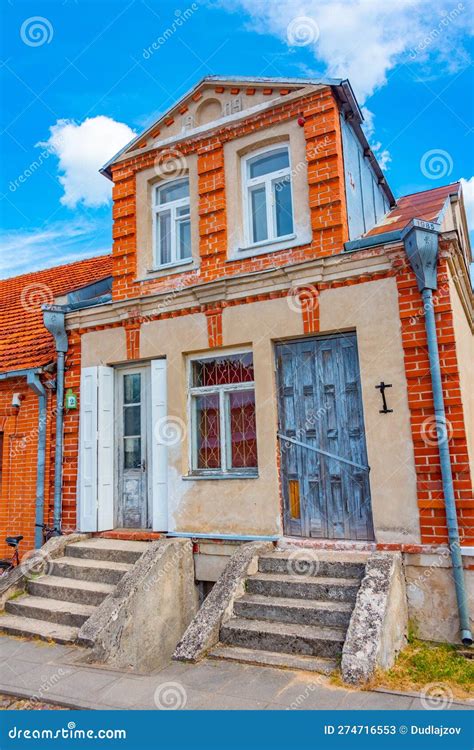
324	453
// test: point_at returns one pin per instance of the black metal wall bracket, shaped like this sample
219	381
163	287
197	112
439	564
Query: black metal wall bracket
381	387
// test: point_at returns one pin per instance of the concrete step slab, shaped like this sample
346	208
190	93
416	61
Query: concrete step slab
307	563
112	550
305	640
68	589
101	571
273	659
303	587
31	628
299	611
51	610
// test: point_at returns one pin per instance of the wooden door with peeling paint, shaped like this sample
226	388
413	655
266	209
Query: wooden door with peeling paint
323	454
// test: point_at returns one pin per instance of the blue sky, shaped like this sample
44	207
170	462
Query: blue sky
77	83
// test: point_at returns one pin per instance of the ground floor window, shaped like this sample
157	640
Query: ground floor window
223	427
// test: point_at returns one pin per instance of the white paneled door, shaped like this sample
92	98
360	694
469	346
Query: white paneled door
123	462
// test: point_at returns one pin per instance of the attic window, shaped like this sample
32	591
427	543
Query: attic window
172	223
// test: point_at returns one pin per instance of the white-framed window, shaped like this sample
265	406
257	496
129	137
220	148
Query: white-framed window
268	200
172	222
222	414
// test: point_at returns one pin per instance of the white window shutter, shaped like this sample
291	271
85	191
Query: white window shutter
105	448
159	453
87	479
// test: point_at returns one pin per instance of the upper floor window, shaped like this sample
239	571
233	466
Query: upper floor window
172	224
268	203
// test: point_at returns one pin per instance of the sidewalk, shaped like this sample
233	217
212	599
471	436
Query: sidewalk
52	673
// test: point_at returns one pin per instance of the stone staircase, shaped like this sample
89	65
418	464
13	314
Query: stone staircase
55	605
295	611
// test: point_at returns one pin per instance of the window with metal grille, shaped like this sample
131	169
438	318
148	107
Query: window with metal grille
223	426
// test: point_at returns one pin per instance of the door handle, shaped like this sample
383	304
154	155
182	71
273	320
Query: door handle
143	464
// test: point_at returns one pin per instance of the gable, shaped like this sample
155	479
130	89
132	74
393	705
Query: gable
210	102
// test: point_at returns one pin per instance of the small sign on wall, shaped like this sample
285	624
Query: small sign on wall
71	399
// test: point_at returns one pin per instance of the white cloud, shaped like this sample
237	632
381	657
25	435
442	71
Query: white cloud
364	39
382	154
468	195
82	149
22	251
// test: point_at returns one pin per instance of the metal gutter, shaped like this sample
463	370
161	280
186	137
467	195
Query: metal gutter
36	385
53	318
421	241
20	373
377	239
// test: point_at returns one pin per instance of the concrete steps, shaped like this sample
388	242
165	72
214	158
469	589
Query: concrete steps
98	571
295	611
303	587
56	605
298	611
273	659
31	628
50	610
309	640
70	590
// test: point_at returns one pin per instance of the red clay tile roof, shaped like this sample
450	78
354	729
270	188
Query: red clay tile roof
24	341
427	205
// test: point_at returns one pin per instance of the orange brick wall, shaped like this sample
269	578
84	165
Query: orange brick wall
420	399
326	197
19	457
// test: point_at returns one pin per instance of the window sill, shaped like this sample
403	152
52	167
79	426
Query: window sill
192	477
166	266
269	246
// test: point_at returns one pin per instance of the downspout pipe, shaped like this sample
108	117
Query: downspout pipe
421	245
53	318
37	387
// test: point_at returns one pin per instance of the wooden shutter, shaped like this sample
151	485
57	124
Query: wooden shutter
87	479
105	448
96	450
159	452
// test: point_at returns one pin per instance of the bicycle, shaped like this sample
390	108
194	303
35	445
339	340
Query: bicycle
48	531
6	566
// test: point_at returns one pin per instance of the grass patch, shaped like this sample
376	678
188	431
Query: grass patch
422	663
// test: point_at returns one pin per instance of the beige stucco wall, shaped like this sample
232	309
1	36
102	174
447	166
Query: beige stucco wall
252	506
465	354
103	347
431	595
372	310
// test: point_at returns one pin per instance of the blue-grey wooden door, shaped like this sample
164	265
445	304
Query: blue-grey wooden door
320	409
